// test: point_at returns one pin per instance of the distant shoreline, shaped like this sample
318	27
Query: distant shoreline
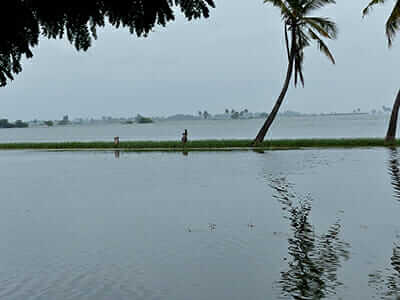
186	117
344	114
200	145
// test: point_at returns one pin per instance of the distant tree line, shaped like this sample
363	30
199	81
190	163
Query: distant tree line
231	114
18	124
143	120
236	114
204	115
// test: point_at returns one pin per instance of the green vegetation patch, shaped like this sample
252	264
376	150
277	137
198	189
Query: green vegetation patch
202	145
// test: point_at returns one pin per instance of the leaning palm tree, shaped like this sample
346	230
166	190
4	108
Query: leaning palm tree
392	26
300	31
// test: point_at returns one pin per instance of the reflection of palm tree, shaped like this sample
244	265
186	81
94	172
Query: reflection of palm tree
387	282
388	286
315	259
394	172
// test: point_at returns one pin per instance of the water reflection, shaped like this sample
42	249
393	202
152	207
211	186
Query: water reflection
314	259
117	154
387	281
394	172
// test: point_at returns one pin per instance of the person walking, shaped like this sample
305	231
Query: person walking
184	137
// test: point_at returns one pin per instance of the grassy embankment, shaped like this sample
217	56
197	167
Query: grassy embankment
200	145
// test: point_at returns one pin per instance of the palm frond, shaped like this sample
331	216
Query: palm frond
321	45
295	5
302	41
324	26
285	11
316	4
370	5
393	23
296	35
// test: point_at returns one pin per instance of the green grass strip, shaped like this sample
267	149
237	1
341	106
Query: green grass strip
202	145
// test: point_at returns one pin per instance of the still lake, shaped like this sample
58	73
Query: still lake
310	224
283	127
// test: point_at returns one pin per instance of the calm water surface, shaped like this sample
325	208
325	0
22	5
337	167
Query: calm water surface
98	225
283	127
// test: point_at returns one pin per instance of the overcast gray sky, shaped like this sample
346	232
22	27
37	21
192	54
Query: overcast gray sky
234	59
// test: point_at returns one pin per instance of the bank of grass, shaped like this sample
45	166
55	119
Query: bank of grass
199	145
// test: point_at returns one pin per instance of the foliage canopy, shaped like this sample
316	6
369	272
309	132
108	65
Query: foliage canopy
392	23
22	22
304	30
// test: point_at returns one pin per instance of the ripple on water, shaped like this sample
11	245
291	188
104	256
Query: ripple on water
105	282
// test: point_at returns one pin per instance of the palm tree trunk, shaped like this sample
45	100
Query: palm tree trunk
391	133
271	117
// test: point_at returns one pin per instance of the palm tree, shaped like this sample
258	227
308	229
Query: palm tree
392	26
393	23
300	30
